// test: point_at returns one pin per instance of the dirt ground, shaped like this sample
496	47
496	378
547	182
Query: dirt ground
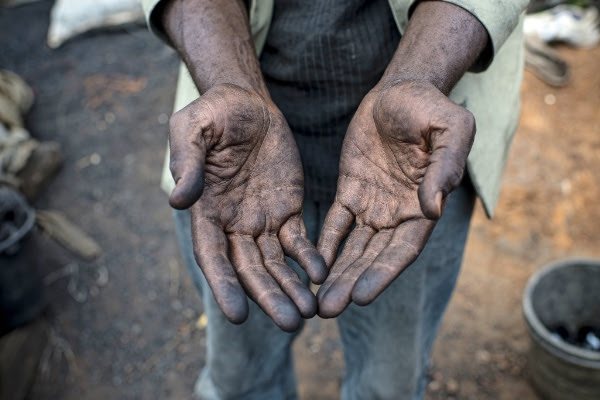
129	325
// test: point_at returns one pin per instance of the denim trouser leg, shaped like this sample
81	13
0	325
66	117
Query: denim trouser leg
249	361
386	344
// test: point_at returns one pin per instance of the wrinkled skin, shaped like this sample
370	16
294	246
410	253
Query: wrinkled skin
404	152
237	166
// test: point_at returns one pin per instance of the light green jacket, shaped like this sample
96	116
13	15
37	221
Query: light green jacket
493	96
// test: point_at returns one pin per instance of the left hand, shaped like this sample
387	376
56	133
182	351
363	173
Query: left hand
405	150
238	169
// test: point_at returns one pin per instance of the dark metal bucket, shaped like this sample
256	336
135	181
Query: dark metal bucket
21	297
565	293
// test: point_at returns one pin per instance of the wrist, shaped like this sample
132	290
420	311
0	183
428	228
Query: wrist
389	80
244	82
440	44
255	103
214	40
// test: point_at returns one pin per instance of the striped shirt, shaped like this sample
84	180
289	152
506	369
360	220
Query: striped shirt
320	59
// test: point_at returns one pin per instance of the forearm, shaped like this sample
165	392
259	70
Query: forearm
213	38
440	44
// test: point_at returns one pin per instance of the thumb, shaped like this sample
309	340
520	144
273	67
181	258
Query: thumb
446	165
188	153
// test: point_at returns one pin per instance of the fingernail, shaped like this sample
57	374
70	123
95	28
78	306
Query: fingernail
438	202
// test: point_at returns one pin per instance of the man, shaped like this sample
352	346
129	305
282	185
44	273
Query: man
362	83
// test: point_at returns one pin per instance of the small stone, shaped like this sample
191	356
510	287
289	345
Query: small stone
550	99
94	291
176	305
163	118
95	159
592	341
502	364
314	348
566	187
434	386
188	313
102	279
483	356
452	386
201	322
109	118
136	329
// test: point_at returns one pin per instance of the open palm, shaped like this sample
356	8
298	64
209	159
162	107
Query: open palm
237	166
404	152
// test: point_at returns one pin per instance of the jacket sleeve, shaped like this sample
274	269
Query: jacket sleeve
500	18
260	13
153	12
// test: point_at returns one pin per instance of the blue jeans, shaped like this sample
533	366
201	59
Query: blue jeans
386	344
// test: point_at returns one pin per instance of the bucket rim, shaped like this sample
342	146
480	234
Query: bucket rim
539	331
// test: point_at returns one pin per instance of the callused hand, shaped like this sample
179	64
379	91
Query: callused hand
237	167
405	150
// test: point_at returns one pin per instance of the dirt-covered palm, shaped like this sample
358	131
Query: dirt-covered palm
404	152
237	167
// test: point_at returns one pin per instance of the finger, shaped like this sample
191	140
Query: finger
259	285
446	166
406	244
353	249
296	245
335	229
339	294
188	152
210	251
288	280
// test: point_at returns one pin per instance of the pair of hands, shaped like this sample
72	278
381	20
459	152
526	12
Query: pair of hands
237	168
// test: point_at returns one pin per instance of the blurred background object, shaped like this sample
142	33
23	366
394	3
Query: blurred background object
561	304
22	333
541	5
25	164
20	282
70	18
26	168
574	23
546	63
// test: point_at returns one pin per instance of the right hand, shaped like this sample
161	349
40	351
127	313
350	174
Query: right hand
237	167
405	150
